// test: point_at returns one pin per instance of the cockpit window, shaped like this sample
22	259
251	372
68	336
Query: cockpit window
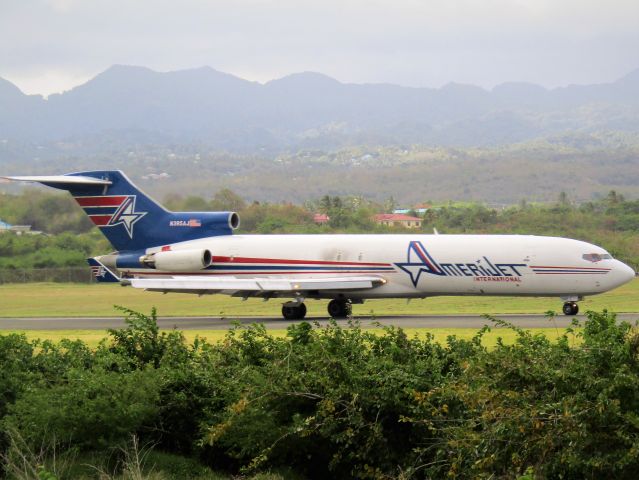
596	257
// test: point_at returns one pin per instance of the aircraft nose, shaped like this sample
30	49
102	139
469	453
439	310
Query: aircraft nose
622	273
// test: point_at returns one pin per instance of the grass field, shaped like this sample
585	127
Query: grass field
93	337
79	300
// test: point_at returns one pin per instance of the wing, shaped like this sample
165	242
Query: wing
255	287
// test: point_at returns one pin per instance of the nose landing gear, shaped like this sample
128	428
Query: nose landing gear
571	308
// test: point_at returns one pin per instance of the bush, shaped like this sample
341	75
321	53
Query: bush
92	409
566	409
328	401
335	402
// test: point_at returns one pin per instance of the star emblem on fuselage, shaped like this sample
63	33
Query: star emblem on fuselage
126	215
419	261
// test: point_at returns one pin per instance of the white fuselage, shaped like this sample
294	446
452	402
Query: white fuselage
416	265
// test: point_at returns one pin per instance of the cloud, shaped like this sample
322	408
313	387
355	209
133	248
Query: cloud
409	42
62	5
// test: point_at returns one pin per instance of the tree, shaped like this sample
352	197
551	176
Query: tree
390	205
325	204
195	204
227	200
614	198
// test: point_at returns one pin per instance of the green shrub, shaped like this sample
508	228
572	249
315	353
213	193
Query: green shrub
16	354
569	409
142	342
328	401
91	409
335	402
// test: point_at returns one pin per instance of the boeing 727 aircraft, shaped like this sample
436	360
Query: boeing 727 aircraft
196	252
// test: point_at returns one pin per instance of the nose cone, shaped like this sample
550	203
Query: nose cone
622	273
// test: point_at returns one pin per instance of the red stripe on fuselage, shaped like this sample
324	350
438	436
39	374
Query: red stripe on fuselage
571	268
571	273
293	262
107	201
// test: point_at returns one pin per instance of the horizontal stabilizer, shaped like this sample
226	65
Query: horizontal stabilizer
60	179
255	285
101	273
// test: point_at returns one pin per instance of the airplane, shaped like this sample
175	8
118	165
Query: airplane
197	252
101	272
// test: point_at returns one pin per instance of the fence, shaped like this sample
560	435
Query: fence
61	275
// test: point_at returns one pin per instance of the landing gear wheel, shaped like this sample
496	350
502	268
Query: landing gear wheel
571	308
294	311
339	308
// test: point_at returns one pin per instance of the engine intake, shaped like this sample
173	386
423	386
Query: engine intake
178	260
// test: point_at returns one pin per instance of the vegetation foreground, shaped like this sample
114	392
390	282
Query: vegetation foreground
331	402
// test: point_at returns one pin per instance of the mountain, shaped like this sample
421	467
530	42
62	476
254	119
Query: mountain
309	109
18	111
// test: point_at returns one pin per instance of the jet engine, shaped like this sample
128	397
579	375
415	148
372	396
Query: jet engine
178	260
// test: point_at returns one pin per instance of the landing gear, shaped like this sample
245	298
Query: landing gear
571	308
293	311
339	308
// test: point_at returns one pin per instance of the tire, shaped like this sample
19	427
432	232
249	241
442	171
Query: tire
294	312
571	308
338	308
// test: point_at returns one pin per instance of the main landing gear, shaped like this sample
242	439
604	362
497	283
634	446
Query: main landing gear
339	308
294	311
571	308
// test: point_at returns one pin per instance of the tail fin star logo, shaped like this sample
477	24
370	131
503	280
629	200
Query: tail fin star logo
419	261
111	210
126	215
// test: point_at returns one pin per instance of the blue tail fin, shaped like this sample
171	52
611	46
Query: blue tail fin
129	218
101	273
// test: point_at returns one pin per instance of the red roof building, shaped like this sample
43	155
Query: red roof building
321	218
397	220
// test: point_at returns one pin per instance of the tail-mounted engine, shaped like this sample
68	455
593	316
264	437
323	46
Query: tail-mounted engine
178	260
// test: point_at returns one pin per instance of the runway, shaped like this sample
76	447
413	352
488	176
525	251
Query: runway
224	323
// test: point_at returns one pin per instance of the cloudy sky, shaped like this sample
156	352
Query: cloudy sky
52	45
